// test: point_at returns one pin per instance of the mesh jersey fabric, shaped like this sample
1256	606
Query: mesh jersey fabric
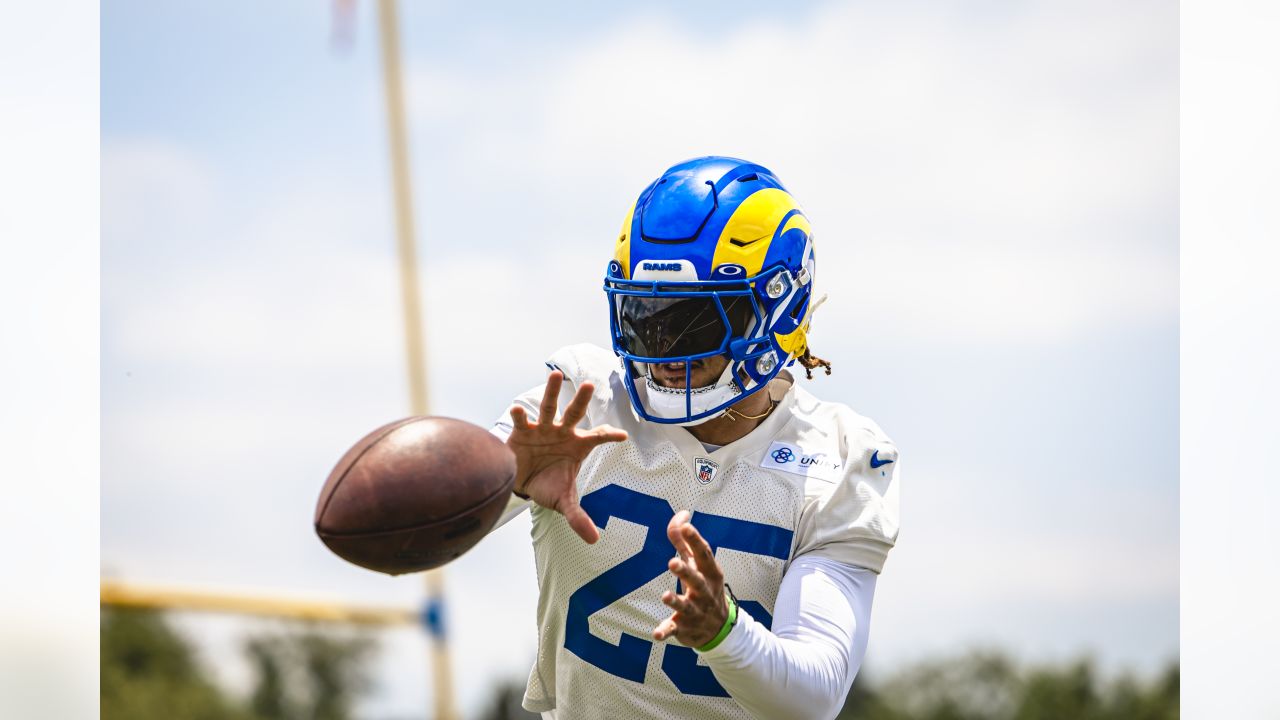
802	483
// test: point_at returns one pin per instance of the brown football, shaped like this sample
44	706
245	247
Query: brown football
415	494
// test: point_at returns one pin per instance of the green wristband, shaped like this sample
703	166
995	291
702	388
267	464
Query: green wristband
729	621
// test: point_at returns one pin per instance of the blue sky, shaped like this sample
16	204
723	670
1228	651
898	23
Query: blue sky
994	193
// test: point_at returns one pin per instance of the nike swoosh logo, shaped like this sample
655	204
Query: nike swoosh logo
876	461
744	243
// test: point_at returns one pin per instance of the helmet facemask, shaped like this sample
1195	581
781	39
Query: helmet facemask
665	329
689	333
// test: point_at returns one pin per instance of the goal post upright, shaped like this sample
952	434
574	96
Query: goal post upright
415	357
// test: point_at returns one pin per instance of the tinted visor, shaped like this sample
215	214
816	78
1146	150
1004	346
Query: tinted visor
679	327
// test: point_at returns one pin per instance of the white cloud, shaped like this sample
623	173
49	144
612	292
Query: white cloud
1002	179
952	294
153	190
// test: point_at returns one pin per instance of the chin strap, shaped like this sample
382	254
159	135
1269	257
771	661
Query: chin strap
813	308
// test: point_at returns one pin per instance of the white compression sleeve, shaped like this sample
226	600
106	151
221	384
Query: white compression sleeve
805	666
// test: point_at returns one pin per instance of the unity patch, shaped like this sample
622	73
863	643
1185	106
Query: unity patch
792	459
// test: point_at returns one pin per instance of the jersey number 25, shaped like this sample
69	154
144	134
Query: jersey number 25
630	657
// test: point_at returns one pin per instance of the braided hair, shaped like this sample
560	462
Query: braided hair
811	362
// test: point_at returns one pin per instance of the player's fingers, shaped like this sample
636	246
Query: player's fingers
577	408
677	603
690	576
676	537
604	434
665	629
579	521
550	398
519	418
702	555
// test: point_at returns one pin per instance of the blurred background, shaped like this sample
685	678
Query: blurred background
993	187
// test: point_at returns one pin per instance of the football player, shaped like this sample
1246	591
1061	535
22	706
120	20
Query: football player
707	533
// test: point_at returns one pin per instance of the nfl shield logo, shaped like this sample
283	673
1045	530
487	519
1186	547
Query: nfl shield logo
705	469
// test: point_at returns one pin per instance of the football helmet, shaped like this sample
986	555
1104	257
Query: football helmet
714	259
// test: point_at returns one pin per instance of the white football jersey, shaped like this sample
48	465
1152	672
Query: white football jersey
814	478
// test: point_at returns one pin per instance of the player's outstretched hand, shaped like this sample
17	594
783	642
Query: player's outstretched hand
700	611
548	453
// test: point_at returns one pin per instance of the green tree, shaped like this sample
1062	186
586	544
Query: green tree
148	672
308	675
1070	693
983	685
268	699
988	685
1130	699
865	702
507	703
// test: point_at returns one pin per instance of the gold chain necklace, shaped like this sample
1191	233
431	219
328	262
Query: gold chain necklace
730	412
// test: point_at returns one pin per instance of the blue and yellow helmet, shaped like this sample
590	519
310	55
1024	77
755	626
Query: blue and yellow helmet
714	259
